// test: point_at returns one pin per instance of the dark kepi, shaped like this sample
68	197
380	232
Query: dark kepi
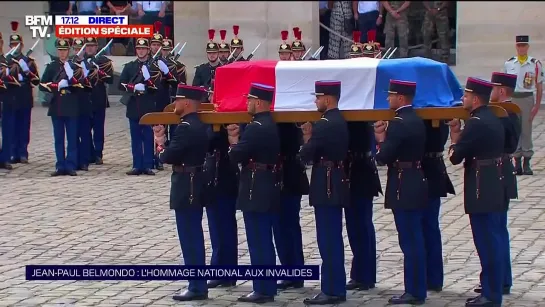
261	91
479	87
196	93
327	87
522	39
503	79
399	87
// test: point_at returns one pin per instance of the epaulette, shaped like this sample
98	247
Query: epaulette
255	121
398	118
474	117
323	118
185	123
200	65
511	59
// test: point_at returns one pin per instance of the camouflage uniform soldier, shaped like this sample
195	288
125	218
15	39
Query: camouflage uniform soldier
397	21
436	14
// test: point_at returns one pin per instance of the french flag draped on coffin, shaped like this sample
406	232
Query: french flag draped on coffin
364	82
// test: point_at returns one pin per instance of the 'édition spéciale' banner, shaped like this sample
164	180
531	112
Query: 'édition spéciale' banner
171	272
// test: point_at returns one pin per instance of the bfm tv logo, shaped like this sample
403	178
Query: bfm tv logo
39	25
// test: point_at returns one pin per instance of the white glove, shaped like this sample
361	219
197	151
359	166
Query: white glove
89	60
69	71
139	87
20	77
7	71
24	65
85	70
163	67
96	65
63	83
145	73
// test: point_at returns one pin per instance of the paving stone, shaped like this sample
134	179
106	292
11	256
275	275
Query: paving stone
105	217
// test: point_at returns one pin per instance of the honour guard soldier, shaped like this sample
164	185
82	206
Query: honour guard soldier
356	50
8	125
297	47
237	45
284	51
85	108
186	152
59	79
439	185
259	187
224	48
530	79
480	146
204	73
139	81
371	49
24	101
326	146
402	148
504	86
162	94
101	74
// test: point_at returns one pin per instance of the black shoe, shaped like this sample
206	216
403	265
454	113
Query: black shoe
481	301
15	160
526	169
24	160
405	299
6	165
290	284
518	166
187	295
323	299
435	288
256	298
84	168
134	172
506	290
159	167
221	284
71	173
354	285
99	161
58	172
148	172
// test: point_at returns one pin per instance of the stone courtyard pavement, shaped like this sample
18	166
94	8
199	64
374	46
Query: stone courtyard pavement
105	217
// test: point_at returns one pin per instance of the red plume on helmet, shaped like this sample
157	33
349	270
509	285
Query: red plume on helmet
157	26
284	35
299	34
223	34
371	35
235	30
14	26
211	34
167	32
356	35
296	32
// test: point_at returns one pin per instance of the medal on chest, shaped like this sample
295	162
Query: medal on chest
528	80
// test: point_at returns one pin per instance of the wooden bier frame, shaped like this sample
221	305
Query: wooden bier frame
217	119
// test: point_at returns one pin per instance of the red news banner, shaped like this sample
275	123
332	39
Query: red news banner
100	27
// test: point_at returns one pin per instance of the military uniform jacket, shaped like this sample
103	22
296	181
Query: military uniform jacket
327	148
65	101
481	146
84	95
257	151
164	87
186	152
403	150
99	78
433	164
222	176
139	104
22	97
181	76
512	127
293	172
204	74
360	165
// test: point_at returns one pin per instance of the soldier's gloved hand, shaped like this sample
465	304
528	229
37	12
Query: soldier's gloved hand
20	77
145	73
7	71
163	67
139	87
68	69
63	83
24	65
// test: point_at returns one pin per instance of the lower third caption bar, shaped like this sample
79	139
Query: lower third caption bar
171	272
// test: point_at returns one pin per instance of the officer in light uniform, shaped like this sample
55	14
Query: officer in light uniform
284	50
527	96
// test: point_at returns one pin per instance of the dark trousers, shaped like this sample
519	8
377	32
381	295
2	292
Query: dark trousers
141	145
97	134
329	234
433	243
367	21
84	139
222	225
21	137
8	133
506	248
486	229
288	238
190	234
260	245
66	159
362	239
324	34
411	241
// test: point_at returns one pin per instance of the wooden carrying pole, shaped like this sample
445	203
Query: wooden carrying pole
218	119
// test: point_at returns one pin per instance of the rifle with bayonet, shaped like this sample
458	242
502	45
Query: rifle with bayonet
251	55
316	55
101	67
304	56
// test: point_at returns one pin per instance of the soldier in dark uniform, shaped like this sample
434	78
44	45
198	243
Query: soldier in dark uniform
504	86
402	149
26	71
7	119
85	109
259	186
237	45
297	47
326	146
139	80
204	73
224	48
186	152
284	50
356	50
480	145
59	78
102	73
